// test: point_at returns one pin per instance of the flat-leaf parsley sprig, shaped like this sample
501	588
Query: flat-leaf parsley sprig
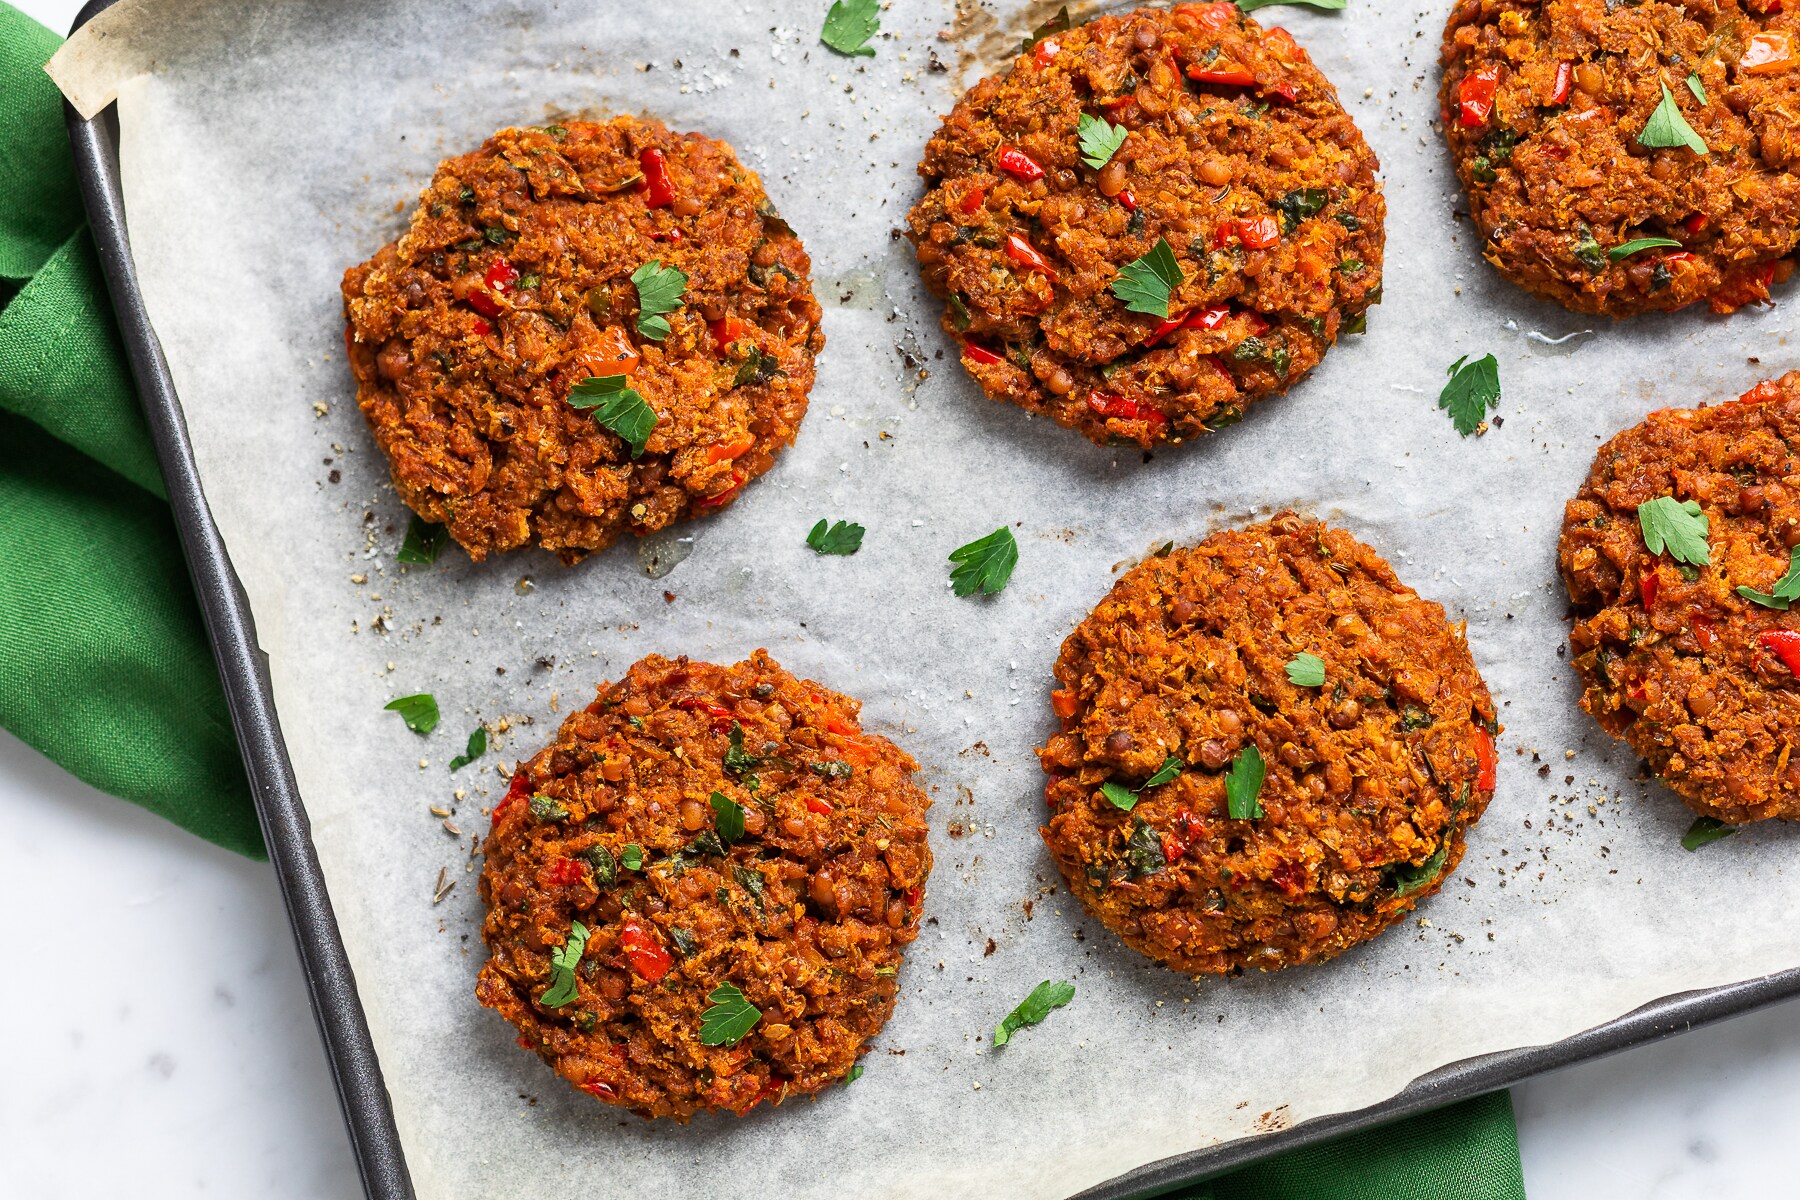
1473	390
1044	998
850	24
617	407
985	564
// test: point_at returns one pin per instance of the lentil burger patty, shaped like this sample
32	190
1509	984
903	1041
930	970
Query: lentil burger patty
1544	105
514	283
1698	678
1179	680
1237	154
699	826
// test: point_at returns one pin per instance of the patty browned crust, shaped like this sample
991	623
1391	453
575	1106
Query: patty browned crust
1694	676
513	284
1557	178
806	913
1239	155
1372	778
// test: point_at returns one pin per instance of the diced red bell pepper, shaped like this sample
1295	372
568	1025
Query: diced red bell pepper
1045	52
912	896
1163	330
594	1087
722	451
1256	233
1127	200
643	951
1762	393
1475	95
1026	255
1209	16
1694	223
1173	848
1203	318
658	191
1063	703
1703	630
1123	408
978	353
517	790
1563	84
495	284
1283	42
563	872
972	201
727	329
1785	645
737	484
481	327
1222	74
1020	164
1487	761
1648	587
814	804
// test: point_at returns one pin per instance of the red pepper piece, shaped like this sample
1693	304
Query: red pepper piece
1225	75
1016	162
912	896
645	954
1213	16
563	872
1026	255
972	201
1063	703
495	284
722	716
1475	95
1045	51
727	329
976	352
1649	584
737	483
1487	761
1694	224
1702	626
1208	318
1256	233
594	1087
1785	645
1564	83
1127	200
658	191
729	450
481	327
1173	848
1290	877
1123	408
814	804
517	790
1762	393
1163	330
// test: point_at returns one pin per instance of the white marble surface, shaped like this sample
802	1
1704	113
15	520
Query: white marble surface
158	1041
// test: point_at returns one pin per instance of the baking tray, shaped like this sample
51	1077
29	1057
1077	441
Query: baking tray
375	1141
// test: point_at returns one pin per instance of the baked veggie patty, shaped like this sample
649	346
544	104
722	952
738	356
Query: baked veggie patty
1150	222
586	329
697	896
1589	134
1691	654
1269	750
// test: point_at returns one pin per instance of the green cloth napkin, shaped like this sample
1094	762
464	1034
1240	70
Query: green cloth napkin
105	666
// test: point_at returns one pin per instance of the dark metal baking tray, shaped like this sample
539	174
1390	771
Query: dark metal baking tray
355	1068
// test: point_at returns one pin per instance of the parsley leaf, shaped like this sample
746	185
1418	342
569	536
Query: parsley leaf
849	26
1473	390
422	543
1632	247
1045	997
845	537
659	291
1253	5
737	759
728	817
617	407
1243	785
730	1017
420	712
476	748
1060	23
1144	849
562	968
1704	831
1099	139
985	564
1696	87
1667	128
854	1075
546	808
1787	588
1306	670
1407	878
1122	797
1171	767
1677	525
1144	283
632	857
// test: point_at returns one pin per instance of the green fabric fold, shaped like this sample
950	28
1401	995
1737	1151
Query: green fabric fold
104	662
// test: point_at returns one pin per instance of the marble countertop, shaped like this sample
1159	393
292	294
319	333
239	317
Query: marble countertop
169	1015
164	1012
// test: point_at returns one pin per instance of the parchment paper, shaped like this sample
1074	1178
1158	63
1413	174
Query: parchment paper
267	147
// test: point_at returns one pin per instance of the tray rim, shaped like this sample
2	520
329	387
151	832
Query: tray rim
331	983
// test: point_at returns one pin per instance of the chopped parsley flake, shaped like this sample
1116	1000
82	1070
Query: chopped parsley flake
1704	831
1473	390
1145	283
562	968
985	564
854	1075
1677	526
420	712
547	808
1306	670
632	857
1407	878
845	537
1243	785
617	407
1044	998
422	543
850	24
659	291
1667	128
729	1018
476	748
1099	139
